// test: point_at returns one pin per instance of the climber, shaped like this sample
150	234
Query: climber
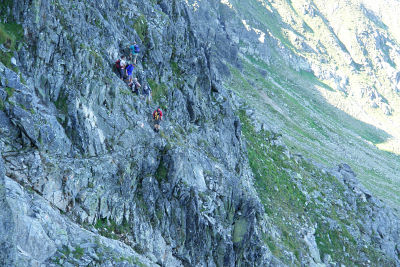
129	71
134	51
147	92
135	85
157	117
121	64
118	65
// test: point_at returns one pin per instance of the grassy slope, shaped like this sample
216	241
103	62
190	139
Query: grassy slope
293	103
296	194
316	129
11	34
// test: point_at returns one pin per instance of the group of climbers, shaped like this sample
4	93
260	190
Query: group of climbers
125	70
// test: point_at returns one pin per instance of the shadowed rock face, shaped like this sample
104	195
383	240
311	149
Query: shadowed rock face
84	179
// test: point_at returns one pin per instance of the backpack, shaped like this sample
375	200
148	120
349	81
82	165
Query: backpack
146	89
117	65
157	115
137	49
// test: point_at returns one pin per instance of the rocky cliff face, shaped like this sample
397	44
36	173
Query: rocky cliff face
84	180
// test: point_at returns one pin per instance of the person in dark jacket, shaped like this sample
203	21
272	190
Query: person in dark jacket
147	92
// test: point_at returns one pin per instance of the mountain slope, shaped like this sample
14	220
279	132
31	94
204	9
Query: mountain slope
334	102
84	179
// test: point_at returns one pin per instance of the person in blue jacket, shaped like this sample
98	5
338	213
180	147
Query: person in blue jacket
129	72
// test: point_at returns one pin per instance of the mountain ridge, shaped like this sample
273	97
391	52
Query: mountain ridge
86	181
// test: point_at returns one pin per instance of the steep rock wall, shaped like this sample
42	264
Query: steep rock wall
79	140
87	181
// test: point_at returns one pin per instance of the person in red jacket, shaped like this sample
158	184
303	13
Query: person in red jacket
157	117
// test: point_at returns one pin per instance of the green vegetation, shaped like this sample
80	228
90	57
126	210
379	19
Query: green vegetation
280	196
125	91
10	34
98	61
62	105
22	79
284	185
78	252
290	101
5	6
241	83
162	172
97	22
142	29
10	91
311	77
62	254
111	229
175	68
159	90
65	251
132	260
239	230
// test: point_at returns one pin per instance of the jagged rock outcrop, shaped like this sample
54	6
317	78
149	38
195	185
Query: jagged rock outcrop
82	142
84	180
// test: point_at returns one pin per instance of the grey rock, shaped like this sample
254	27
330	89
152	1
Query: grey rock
87	181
